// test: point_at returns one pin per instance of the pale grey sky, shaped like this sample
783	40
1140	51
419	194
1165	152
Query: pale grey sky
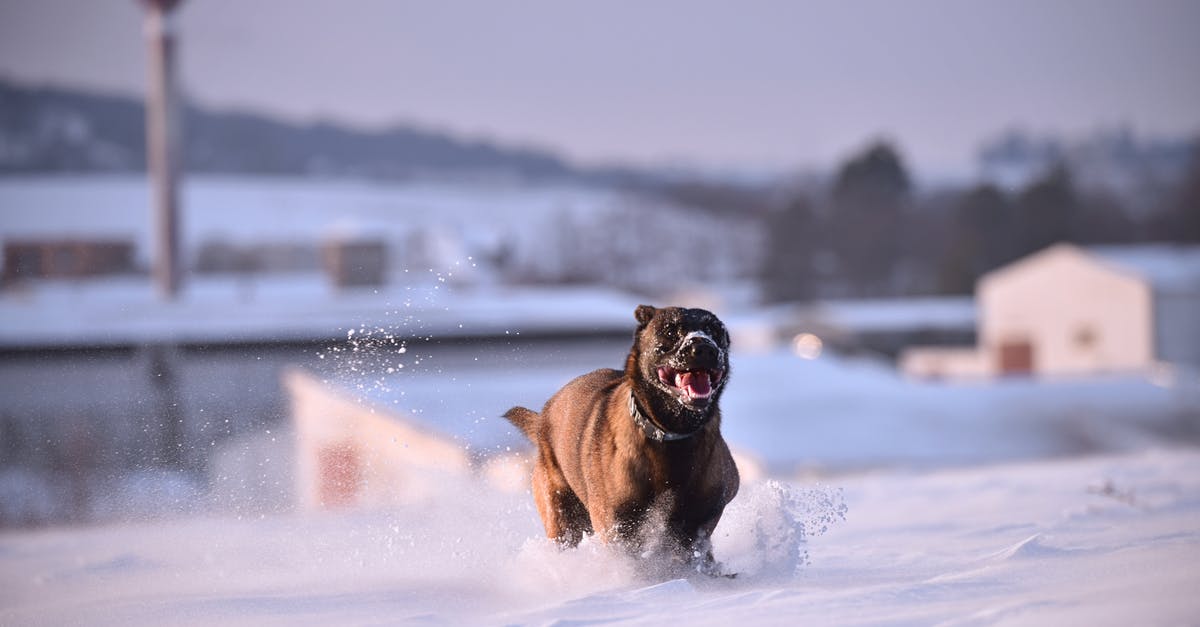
755	83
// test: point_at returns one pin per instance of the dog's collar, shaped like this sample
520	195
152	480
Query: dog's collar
653	431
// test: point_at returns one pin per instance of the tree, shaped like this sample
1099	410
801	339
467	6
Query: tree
869	201
794	236
1179	221
982	236
1047	211
1102	220
1187	205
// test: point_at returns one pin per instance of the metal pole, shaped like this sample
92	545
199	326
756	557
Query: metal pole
162	139
162	162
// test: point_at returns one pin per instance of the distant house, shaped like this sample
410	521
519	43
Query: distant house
66	258
1068	310
356	262
219	256
349	453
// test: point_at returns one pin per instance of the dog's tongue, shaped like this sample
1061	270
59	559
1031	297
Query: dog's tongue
696	382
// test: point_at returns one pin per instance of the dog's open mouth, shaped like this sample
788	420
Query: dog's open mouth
693	385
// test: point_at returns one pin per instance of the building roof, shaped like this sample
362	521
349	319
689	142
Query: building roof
1165	267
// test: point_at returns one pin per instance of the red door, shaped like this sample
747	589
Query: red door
1016	357
340	474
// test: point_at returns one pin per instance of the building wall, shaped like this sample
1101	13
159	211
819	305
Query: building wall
351	454
66	258
935	362
1177	326
1074	315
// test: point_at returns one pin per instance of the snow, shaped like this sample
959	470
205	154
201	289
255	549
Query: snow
263	209
844	413
791	414
868	498
900	314
124	311
519	232
1102	540
884	501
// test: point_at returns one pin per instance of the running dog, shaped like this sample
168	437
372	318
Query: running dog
636	455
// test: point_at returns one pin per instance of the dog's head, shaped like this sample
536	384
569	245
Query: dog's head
680	359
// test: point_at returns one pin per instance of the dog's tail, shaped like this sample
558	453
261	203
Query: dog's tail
526	420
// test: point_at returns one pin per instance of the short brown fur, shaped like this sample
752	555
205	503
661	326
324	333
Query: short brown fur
598	471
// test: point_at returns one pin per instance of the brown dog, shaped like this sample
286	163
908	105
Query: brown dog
620	452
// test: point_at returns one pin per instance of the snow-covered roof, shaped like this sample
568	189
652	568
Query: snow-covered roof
1164	266
900	314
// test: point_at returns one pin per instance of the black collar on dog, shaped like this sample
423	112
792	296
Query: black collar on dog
653	431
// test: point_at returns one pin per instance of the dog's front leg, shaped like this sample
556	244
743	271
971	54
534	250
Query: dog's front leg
621	526
699	553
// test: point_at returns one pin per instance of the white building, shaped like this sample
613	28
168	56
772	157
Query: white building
352	453
1068	310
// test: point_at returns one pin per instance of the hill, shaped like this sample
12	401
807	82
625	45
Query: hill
50	129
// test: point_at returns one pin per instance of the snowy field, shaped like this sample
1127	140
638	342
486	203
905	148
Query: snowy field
273	209
867	498
883	501
547	232
872	500
1094	541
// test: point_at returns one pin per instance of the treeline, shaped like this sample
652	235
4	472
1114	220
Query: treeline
47	129
869	233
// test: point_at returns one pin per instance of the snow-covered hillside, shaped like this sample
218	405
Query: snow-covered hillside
926	504
483	231
1110	540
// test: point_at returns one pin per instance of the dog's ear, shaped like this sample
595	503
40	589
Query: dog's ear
644	314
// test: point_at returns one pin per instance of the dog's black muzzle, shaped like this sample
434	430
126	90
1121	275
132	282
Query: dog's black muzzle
700	353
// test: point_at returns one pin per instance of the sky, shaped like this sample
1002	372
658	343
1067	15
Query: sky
759	84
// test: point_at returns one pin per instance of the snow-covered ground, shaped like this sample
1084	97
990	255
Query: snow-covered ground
1095	541
925	504
868	498
885	501
846	413
257	209
128	311
794	415
510	231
